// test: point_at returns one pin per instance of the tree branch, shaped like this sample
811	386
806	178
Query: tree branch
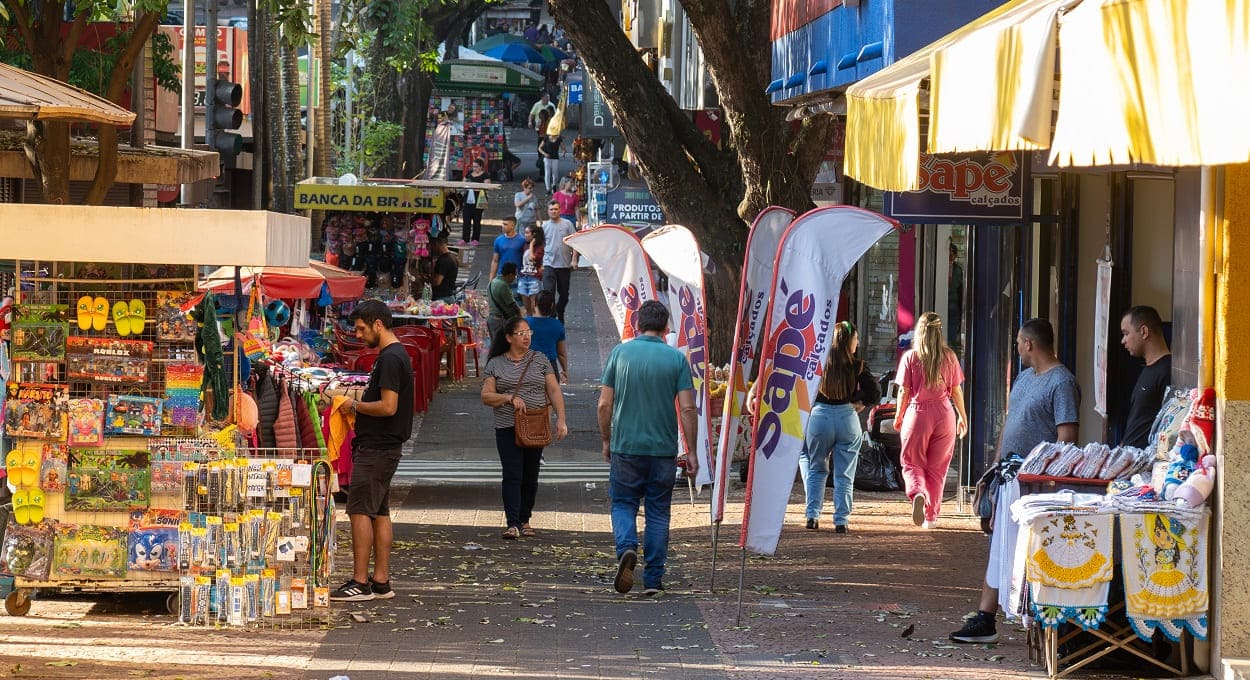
22	19
75	34
106	168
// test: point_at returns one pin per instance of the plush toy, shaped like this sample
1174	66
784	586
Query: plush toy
1201	420
1198	486
421	237
1179	470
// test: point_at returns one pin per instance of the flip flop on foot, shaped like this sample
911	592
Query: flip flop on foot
99	314
121	318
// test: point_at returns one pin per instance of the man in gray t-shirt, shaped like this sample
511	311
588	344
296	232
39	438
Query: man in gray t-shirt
557	258
1043	407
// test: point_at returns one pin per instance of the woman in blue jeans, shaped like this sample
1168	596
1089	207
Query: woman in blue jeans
833	428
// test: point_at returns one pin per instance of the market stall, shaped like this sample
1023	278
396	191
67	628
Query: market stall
126	437
471	94
1110	544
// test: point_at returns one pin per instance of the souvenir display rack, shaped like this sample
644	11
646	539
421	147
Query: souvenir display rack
482	122
103	408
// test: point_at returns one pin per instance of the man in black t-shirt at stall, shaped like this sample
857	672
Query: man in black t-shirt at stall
446	268
1141	333
383	424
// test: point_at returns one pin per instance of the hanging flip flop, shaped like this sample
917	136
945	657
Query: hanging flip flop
99	313
21	506
32	461
138	316
13	466
121	318
84	313
34	505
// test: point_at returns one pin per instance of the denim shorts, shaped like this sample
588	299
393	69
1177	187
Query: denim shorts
529	285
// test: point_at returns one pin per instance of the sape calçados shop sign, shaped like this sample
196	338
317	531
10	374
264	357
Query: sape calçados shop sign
973	187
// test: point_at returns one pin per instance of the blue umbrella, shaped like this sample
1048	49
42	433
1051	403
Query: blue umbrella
553	54
515	53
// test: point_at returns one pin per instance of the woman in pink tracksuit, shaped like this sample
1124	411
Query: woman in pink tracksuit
931	379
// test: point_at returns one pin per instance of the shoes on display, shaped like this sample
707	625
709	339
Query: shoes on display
978	628
917	509
352	592
381	591
624	581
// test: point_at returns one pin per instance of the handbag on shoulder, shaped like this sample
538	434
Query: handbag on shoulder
533	428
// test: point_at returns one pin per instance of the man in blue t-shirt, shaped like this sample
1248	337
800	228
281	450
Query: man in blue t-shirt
641	380
509	247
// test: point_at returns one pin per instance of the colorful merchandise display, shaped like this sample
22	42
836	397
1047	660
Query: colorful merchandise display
126	479
479	125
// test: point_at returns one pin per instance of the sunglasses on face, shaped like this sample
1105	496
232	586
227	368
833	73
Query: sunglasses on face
523	334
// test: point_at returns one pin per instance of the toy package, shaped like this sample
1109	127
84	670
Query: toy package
106	481
133	415
108	360
153	540
89	550
39	332
86	422
36	410
53	470
27	551
172	321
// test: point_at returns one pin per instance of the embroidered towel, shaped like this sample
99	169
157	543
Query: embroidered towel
1165	572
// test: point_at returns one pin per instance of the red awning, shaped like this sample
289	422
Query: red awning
293	283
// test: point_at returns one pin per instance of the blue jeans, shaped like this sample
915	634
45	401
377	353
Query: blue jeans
646	479
520	476
831	429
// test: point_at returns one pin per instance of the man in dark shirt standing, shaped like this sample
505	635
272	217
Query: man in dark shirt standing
383	424
446	269
1141	333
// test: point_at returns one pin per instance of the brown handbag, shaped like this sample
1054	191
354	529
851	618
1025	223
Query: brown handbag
533	428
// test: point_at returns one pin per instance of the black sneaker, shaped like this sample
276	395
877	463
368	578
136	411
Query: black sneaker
978	628
813	523
652	591
381	591
352	592
840	528
624	581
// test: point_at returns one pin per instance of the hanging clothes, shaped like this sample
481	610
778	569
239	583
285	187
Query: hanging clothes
284	430
267	405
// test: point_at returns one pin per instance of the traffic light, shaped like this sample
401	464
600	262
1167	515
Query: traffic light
226	116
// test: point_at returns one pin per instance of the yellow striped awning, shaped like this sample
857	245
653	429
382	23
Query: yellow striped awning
1154	81
883	126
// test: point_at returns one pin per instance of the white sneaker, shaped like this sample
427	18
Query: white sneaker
929	524
917	509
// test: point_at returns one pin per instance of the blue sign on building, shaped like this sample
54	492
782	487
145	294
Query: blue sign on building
575	91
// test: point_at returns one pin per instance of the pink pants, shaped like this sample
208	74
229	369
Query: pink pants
928	436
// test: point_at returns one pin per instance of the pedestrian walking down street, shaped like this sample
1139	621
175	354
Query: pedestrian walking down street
503	306
931	380
474	205
519	378
383	417
566	196
834	433
638	422
550	149
1043	406
549	337
531	283
557	257
526	204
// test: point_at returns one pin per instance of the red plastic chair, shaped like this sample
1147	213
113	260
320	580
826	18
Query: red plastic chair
429	347
360	361
422	392
460	342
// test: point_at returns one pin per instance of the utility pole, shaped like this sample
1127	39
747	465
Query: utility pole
210	74
188	85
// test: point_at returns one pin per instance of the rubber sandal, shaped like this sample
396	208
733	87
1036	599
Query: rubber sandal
34	505
138	316
527	531
84	313
511	533
99	314
13	465
31	464
121	318
21	509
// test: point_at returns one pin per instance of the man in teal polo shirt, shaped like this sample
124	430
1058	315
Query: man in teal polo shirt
638	421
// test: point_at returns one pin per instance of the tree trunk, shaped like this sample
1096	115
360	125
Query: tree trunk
323	150
715	193
280	193
47	150
425	91
413	122
291	118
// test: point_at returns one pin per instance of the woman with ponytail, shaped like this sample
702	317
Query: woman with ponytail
833	429
931	380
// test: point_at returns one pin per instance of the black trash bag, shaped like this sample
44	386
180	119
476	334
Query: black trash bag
876	472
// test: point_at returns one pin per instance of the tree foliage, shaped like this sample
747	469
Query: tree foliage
715	192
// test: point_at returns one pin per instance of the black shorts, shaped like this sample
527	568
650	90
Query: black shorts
370	490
